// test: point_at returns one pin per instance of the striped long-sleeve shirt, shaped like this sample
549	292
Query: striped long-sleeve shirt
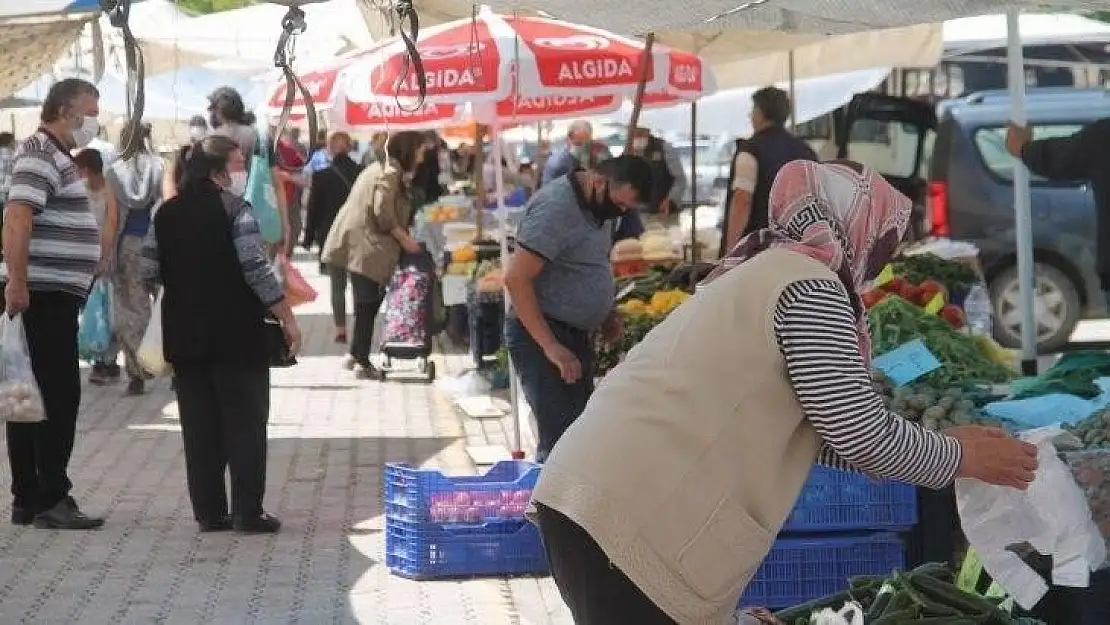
815	326
249	248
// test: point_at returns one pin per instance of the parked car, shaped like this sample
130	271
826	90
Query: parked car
712	167
952	161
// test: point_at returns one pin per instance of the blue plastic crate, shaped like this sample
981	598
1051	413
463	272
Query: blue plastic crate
801	569
429	496
428	551
833	501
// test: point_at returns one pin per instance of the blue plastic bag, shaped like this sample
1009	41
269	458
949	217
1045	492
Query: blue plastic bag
260	193
94	337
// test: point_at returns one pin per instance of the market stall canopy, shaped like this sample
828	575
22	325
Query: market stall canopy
988	32
244	39
826	17
35	34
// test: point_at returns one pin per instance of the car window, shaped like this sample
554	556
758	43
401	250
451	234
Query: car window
888	147
991	144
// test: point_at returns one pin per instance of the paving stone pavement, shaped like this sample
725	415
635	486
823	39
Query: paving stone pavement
330	436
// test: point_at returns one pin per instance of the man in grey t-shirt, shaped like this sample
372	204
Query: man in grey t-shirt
561	285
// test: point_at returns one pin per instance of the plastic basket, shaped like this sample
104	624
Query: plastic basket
429	551
834	500
427	495
801	569
454	526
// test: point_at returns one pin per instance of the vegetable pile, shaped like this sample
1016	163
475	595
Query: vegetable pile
644	302
954	275
933	409
928	294
1094	431
924	595
894	322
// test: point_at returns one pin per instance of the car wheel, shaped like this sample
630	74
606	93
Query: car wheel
1056	307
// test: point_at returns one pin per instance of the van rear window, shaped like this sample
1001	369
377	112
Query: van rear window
991	145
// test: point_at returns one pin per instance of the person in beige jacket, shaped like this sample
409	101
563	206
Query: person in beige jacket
659	503
368	235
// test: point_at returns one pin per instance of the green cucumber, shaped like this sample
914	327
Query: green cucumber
948	594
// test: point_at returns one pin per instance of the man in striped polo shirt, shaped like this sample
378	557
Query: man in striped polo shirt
51	253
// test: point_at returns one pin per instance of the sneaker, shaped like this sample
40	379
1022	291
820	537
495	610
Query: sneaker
113	371
222	524
264	524
136	387
349	363
66	515
341	337
22	515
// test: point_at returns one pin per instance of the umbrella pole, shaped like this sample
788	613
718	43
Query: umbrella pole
479	184
503	219
1015	65
790	86
638	102
693	190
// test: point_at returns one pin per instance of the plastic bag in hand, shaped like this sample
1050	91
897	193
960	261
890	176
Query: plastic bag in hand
1051	515
20	399
94	337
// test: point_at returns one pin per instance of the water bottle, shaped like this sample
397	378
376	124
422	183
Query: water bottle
977	310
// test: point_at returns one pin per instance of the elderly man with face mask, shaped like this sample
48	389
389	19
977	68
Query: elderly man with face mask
581	151
51	252
561	286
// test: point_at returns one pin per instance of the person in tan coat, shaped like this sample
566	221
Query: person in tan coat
368	235
660	501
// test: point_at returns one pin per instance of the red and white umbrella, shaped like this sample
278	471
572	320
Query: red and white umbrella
515	69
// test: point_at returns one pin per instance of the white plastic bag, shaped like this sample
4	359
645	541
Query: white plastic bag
150	354
20	399
1051	515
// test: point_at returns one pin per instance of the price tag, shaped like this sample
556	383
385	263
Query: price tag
935	304
907	363
885	276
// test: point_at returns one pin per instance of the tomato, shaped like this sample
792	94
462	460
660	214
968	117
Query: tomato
894	286
911	293
932	287
954	316
871	298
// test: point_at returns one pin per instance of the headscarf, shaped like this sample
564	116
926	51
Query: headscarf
839	213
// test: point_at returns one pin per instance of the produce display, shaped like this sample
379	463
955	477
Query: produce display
440	213
935	410
479	506
1076	373
488	277
643	302
929	295
955	276
1094	431
926	594
895	322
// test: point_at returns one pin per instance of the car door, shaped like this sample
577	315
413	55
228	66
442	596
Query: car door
893	136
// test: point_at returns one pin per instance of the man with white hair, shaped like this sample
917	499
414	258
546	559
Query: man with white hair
581	151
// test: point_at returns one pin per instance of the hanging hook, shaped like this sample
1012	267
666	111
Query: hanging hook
292	25
119	15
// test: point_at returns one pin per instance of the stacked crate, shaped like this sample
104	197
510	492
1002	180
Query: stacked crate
844	524
440	526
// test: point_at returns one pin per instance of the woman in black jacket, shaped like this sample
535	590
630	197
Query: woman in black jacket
327	193
206	249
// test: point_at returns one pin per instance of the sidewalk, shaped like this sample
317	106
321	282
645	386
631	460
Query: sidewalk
330	436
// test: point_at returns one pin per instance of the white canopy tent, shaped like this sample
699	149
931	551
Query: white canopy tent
986	32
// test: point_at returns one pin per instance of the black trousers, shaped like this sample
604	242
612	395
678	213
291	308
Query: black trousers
39	453
223	409
595	590
338	277
368	299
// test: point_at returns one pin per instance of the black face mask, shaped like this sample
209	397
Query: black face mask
214	121
603	207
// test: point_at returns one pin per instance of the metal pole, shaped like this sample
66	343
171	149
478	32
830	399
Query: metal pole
1015	65
503	236
693	189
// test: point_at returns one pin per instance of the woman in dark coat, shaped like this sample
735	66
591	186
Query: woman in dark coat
206	250
328	191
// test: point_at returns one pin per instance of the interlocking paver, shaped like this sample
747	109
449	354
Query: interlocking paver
330	437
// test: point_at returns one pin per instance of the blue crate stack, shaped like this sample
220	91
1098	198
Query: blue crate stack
844	524
440	526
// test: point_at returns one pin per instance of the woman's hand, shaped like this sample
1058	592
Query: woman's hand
991	455
292	332
411	245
